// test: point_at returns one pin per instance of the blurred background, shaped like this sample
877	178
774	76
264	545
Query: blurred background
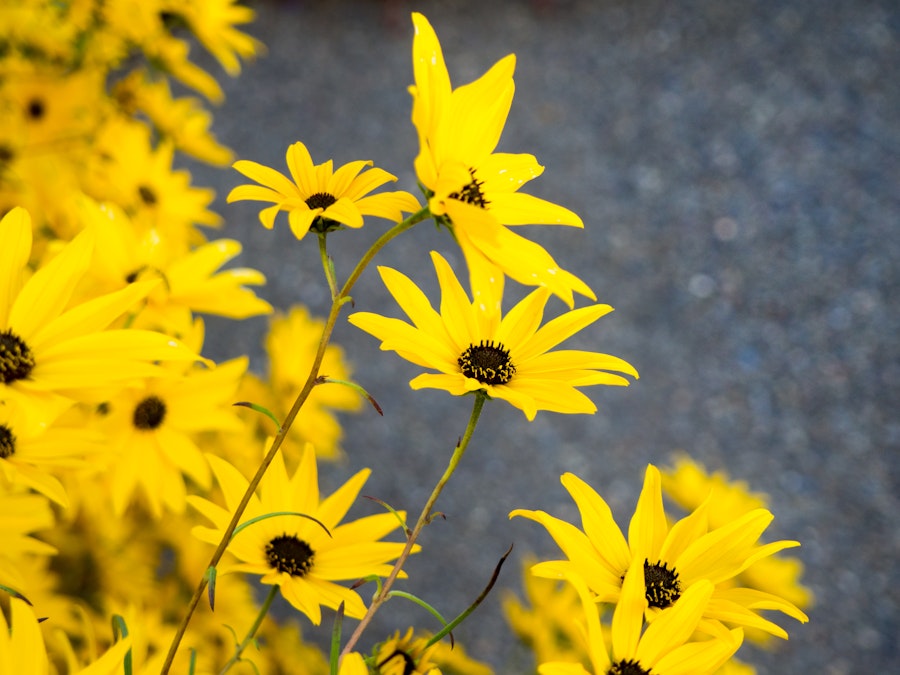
737	166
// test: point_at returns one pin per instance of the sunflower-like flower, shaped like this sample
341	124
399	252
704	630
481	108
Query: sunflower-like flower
674	559
474	349
303	557
474	187
51	352
665	647
318	197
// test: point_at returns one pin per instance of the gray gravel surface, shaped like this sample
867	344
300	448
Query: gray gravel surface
736	165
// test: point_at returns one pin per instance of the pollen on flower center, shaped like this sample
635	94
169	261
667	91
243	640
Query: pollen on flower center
320	200
628	667
288	553
471	193
149	413
16	359
488	363
662	585
7	442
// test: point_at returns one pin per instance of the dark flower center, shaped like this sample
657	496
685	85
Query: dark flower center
7	442
471	193
35	109
7	154
628	667
320	200
16	359
487	363
662	584
149	413
409	664
147	195
287	553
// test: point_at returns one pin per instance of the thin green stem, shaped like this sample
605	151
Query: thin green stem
337	304
327	266
424	518
251	633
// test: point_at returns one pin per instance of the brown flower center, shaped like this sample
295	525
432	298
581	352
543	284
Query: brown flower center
16	359
149	413
288	553
662	584
7	442
471	193
488	363
628	667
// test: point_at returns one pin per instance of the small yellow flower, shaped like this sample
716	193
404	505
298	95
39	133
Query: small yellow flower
474	187
474	349
319	198
303	557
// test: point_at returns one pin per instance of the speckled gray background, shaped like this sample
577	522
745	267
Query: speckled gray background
736	165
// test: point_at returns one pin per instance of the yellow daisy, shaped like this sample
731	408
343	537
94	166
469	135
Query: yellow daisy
405	655
193	280
475	188
152	433
48	350
673	558
474	349
662	648
317	197
303	557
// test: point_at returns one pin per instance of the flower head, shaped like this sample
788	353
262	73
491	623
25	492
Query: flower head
665	647
673	558
475	188
304	556
474	349
317	197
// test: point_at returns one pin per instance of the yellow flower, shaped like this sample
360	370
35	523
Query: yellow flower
688	484
319	198
138	176
213	22
152	434
405	655
474	349
193	280
474	187
303	557
663	648
49	351
674	559
184	120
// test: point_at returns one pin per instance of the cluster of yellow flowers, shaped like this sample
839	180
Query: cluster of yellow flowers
112	423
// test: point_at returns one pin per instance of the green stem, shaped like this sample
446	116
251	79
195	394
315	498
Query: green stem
252	632
311	381
327	266
424	518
